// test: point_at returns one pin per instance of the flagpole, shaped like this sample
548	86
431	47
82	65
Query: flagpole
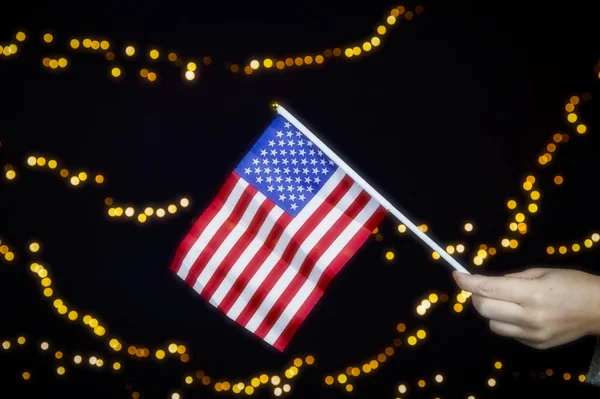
368	188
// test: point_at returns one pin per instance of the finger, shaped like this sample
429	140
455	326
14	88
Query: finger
507	329
528	273
503	288
495	309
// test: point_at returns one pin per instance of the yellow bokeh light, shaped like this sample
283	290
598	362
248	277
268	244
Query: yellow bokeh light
154	54
74	180
21	36
412	340
581	129
60	370
34	247
533	208
492	382
48	38
572	117
402	228
191	66
468	227
511	204
160	354
381	30
391	20
115	72
254	64
458	307
435	255
151	76
129	51
389	255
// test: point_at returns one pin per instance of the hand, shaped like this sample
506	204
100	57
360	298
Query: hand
539	307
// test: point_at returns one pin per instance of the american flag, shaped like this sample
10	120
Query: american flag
282	226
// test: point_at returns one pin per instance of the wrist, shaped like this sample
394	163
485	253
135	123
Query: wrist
594	307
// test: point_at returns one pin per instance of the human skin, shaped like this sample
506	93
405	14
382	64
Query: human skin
540	307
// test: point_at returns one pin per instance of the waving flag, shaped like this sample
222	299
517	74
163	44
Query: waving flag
282	226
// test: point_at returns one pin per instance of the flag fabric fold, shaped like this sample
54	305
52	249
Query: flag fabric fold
283	224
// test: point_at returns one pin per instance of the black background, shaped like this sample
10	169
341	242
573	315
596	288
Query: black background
446	118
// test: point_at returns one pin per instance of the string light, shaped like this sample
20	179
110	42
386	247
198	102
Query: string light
315	58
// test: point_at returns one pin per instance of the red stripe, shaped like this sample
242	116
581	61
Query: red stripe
349	250
309	263
238	249
290	251
238	287
203	221
224	230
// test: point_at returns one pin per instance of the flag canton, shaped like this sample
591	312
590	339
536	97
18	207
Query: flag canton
286	167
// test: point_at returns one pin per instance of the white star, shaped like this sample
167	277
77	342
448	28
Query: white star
293	206
259	179
305	171
257	170
292	197
323	162
296	171
300	188
280	188
278	179
285	161
302	152
289	134
279	133
317	180
309	189
282	197
275	161
291	143
298	134
271	143
288	179
331	162
298	179
324	171
311	152
290	188
265	161
286	170
247	171
267	170
269	179
301	197
255	161
270	189
263	152
287	124
281	143
294	161
292	152
313	161
307	179
300	143
315	170
274	152
304	161
277	170
283	152
310	143
320	153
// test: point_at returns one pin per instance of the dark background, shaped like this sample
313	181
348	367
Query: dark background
447	118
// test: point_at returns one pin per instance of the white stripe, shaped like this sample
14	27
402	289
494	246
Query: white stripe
242	261
322	264
266	267
305	248
212	228
228	243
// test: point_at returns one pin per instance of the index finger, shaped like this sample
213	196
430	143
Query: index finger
510	289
